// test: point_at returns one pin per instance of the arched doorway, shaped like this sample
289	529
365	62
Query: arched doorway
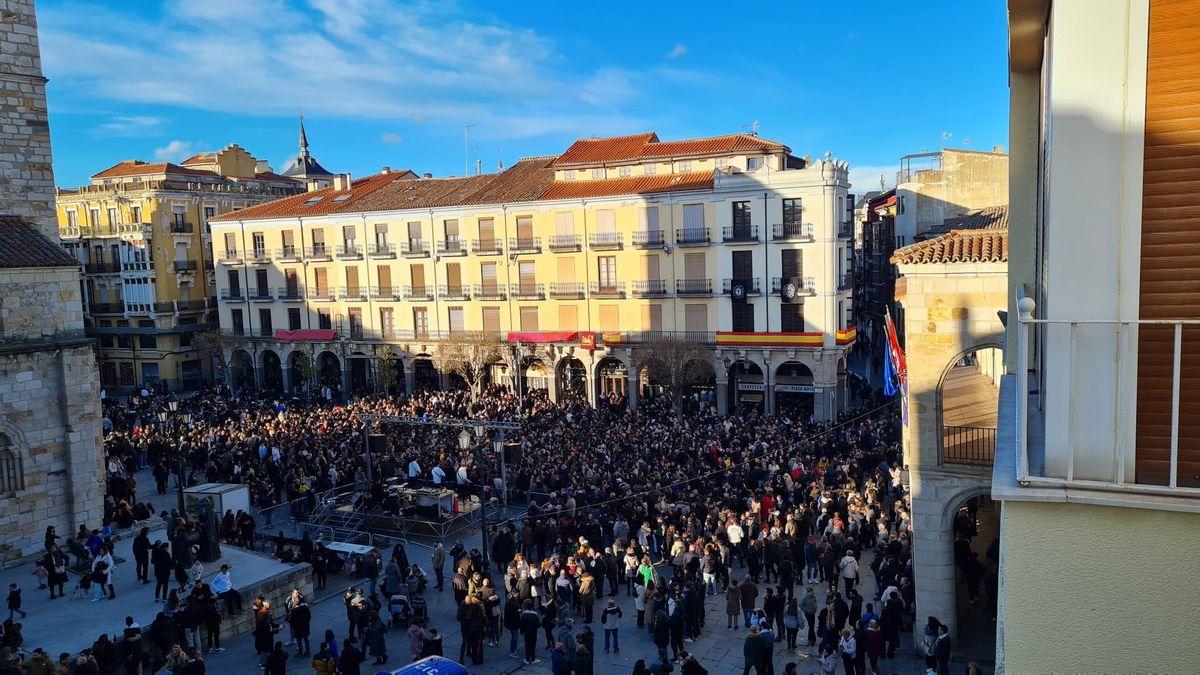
303	370
329	372
746	388
272	373
242	369
390	373
534	374
360	373
425	376
571	380
612	381
700	386
795	395
975	528
968	394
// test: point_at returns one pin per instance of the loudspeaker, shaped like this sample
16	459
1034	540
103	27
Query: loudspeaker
512	452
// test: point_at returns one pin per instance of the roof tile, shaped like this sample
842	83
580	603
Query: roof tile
647	145
988	245
21	245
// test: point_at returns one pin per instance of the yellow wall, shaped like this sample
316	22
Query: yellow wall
1095	589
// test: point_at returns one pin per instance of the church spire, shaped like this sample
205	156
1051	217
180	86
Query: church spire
303	138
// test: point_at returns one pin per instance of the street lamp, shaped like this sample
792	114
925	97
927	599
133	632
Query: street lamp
498	446
464	440
186	418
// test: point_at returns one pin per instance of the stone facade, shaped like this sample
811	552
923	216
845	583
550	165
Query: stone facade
949	310
276	590
26	177
50	419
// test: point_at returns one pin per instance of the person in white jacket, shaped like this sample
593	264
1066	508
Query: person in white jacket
849	568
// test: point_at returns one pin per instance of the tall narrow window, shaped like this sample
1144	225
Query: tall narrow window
387	324
456	321
420	322
610	318
695	318
265	328
529	318
607	273
491	319
568	317
293	318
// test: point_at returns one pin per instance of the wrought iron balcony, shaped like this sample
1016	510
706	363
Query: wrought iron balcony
182	227
751	286
259	256
648	239
570	289
290	293
736	234
487	246
414	248
528	290
492	291
418	293
454	292
382	250
319	252
232	295
386	293
289	254
649	287
693	287
322	295
805	286
349	250
353	293
229	257
261	295
602	241
102	268
185	265
614	289
518	245
565	242
452	247
793	232
692	236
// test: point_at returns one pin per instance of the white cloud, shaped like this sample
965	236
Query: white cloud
609	87
866	178
677	51
358	59
175	151
389	137
130	125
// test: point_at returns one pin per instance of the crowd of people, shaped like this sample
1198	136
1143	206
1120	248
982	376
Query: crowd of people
633	521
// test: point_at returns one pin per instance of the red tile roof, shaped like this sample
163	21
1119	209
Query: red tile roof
200	158
136	167
958	246
21	245
646	146
298	205
979	219
582	189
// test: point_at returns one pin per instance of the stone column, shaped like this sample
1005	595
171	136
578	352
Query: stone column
410	375
933	556
722	397
589	383
632	391
552	389
345	379
287	380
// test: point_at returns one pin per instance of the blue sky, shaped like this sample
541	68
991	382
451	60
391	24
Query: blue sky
386	82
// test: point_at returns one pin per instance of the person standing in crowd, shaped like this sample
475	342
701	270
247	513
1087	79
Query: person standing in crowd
222	586
141	555
610	618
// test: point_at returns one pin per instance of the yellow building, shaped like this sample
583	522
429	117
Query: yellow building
731	242
141	231
1097	462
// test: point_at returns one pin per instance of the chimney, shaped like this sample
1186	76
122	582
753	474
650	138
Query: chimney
386	170
341	182
998	149
479	167
313	186
427	175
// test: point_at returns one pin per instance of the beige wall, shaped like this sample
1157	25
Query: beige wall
1091	589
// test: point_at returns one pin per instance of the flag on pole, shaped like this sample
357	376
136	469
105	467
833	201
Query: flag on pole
895	367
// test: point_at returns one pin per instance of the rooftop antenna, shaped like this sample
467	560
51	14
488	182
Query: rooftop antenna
945	137
499	161
478	162
752	126
882	184
466	152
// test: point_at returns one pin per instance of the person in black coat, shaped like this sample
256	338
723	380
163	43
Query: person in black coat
160	559
141	555
529	623
350	661
277	662
300	620
56	563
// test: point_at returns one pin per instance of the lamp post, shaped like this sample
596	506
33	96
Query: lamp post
164	416
498	447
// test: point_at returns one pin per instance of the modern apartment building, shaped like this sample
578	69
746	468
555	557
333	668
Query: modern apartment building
732	243
1097	462
141	232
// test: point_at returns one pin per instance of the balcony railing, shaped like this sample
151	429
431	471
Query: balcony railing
452	247
527	290
230	257
573	289
454	291
846	282
382	250
968	445
418	293
319	252
648	238
232	294
185	265
487	246
353	293
602	241
489	292
520	245
845	230
386	293
740	234
565	242
70	232
749	286
793	232
649	287
289	254
322	295
692	236
414	248
290	293
615	289
1096	465
182	228
102	268
106	308
259	256
805	286
349	250
261	295
693	287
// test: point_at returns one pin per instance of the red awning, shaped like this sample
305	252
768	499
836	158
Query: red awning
542	337
315	335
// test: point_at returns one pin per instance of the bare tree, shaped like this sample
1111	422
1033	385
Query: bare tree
212	344
675	363
305	368
469	355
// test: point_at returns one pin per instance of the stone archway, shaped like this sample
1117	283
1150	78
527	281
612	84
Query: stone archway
747	391
425	375
968	393
795	395
700	391
571	380
272	371
971	519
329	370
241	368
361	380
612	381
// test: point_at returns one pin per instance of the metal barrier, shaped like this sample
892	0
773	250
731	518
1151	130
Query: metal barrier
968	445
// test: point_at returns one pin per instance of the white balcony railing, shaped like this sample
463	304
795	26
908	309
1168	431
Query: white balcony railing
1068	451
